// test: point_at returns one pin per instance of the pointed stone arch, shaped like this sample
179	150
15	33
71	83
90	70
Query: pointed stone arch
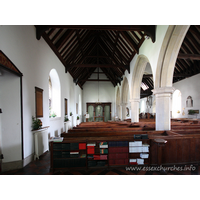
164	74
168	55
138	72
125	91
124	97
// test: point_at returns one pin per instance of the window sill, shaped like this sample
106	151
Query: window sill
54	118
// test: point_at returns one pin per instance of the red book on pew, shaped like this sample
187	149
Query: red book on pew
133	163
90	150
82	146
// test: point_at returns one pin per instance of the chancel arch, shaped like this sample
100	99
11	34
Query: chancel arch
164	74
124	98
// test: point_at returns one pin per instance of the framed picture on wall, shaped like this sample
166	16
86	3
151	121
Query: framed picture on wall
76	108
39	102
66	110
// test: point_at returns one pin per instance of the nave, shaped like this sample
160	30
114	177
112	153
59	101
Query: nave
180	156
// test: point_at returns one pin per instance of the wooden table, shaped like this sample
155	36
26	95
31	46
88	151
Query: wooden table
98	117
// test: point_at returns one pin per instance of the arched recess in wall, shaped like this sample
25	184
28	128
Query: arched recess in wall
54	94
168	55
118	103
176	104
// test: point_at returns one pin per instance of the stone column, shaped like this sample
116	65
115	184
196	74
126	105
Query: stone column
123	106
135	104
163	107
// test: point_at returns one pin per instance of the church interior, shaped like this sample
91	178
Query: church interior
100	99
99	96
83	98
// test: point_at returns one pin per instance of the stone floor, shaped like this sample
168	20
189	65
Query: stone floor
42	167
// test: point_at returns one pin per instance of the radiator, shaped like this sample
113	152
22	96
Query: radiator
41	141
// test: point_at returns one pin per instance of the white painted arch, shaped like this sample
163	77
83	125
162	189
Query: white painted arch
137	75
168	55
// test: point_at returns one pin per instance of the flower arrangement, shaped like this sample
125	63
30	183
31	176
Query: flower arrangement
66	119
36	123
191	112
53	114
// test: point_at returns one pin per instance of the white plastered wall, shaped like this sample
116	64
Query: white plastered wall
189	87
35	59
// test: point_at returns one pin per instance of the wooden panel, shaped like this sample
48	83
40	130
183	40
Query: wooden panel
197	149
172	151
179	150
192	149
39	102
166	152
186	150
153	153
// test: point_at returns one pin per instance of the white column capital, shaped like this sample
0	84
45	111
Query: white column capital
134	100
163	90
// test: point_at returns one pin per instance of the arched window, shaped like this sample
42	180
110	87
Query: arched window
54	94
176	103
79	105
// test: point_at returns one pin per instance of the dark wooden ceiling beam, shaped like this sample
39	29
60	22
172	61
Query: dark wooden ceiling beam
194	31
51	32
87	52
109	76
120	53
128	49
189	56
135	36
127	67
193	41
64	39
56	35
130	42
149	30
106	38
40	30
86	76
67	46
89	39
46	38
100	80
107	52
190	46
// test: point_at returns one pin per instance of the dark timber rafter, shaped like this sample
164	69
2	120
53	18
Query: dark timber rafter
149	30
127	67
189	56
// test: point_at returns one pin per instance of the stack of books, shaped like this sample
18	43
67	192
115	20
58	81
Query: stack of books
103	145
56	139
